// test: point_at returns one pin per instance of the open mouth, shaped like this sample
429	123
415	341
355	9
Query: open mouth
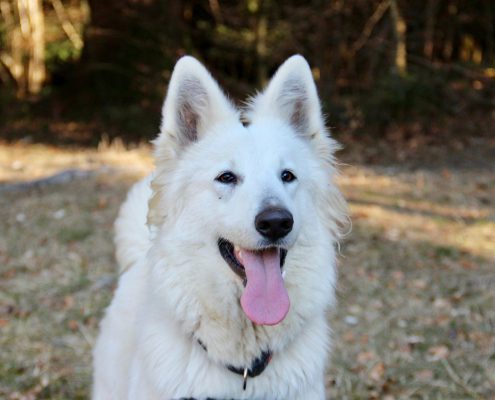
228	252
265	299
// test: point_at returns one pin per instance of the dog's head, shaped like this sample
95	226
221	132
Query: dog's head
254	191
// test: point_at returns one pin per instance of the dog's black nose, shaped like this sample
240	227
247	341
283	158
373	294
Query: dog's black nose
274	223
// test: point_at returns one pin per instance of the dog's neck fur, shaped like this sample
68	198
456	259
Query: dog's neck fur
219	322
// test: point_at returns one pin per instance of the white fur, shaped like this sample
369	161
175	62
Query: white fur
176	288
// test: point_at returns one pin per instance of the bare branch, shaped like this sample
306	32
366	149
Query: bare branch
369	26
67	25
216	11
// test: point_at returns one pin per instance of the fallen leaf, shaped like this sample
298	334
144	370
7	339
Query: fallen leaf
424	375
436	353
377	372
441	303
414	339
73	325
68	302
102	202
349	337
468	264
418	283
365	356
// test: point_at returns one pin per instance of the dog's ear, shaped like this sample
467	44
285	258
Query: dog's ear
291	96
193	104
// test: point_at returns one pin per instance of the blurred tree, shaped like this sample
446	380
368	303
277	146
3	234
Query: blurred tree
430	18
128	46
67	24
24	57
399	28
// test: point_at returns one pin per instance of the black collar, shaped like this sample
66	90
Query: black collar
257	366
192	398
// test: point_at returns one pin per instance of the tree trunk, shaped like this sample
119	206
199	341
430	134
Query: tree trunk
448	47
261	32
12	56
431	11
490	32
26	59
399	28
36	66
67	25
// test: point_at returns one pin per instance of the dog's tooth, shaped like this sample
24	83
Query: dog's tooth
237	253
283	274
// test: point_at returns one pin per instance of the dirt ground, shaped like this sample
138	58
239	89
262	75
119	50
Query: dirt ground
416	312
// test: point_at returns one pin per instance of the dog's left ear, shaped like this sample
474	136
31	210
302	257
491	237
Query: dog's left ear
292	97
194	103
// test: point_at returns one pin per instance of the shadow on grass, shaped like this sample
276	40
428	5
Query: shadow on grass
438	216
414	320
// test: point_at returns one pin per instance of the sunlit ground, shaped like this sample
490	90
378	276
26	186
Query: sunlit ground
20	162
416	313
416	317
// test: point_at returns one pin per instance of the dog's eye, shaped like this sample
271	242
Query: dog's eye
287	176
227	177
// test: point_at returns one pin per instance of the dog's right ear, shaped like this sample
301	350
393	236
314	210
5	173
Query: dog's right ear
194	103
291	97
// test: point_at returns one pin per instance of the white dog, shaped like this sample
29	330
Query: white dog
227	251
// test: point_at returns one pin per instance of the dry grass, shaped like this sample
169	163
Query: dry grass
19	162
416	315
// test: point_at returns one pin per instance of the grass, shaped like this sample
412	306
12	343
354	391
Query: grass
416	313
416	317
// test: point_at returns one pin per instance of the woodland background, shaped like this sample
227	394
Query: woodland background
72	70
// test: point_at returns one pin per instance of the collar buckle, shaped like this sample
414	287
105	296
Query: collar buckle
256	368
245	376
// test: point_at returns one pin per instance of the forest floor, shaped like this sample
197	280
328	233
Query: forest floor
416	295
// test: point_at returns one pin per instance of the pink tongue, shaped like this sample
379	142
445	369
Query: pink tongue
265	300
